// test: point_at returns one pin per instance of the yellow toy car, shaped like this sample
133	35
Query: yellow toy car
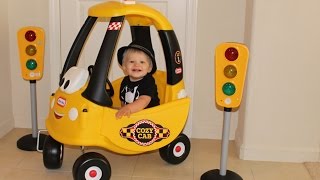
81	112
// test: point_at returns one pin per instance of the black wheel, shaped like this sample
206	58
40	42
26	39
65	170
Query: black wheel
91	166
177	151
52	153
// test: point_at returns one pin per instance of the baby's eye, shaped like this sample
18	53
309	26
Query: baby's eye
131	62
73	80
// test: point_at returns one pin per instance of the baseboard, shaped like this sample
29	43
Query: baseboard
298	155
6	126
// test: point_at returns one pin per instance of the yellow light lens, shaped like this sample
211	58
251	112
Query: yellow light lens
230	71
31	50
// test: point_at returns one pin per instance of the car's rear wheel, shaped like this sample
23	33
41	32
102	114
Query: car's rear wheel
177	151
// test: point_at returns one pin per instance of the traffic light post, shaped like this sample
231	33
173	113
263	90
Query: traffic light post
231	61
31	51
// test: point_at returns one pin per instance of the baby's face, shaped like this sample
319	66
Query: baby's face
136	65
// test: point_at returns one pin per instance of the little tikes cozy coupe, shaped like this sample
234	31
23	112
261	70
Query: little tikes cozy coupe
81	112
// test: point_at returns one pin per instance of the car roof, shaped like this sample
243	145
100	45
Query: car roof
136	14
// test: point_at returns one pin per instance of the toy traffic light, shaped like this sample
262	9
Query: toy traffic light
31	50
231	61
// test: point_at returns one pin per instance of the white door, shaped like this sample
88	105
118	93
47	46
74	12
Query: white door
67	17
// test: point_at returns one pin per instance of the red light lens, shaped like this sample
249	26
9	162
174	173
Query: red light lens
231	54
30	36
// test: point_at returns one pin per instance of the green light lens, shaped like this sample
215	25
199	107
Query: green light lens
31	64
229	89
230	71
31	50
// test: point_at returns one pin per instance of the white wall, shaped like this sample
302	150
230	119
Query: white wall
6	120
218	21
280	117
27	13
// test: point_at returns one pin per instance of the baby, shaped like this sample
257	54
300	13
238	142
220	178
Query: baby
138	89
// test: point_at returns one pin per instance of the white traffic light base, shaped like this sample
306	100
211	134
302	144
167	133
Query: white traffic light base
223	173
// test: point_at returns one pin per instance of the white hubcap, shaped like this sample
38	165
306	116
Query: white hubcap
179	149
93	173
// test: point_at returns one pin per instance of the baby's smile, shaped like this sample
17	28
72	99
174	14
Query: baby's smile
136	70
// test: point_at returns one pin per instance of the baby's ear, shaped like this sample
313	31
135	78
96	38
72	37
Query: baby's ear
150	66
149	69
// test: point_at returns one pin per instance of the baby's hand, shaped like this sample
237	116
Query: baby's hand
124	111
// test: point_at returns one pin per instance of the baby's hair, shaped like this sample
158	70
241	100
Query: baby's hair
133	50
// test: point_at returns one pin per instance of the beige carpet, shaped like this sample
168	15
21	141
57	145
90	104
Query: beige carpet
314	169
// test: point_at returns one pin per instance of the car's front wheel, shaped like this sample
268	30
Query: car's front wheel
52	153
91	166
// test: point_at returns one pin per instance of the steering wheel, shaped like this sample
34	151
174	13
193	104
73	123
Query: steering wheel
110	89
